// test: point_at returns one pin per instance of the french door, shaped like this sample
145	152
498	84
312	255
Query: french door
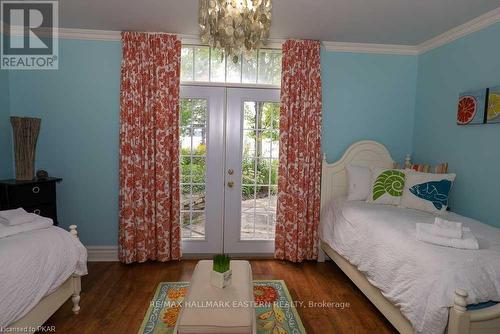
229	169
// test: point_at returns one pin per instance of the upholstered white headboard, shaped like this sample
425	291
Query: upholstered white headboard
362	153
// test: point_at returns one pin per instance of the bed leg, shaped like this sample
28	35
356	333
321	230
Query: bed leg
75	297
321	254
458	321
76	301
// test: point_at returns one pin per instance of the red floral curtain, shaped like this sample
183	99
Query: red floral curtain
300	153
149	148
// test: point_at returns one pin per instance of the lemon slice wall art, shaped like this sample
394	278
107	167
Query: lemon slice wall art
493	107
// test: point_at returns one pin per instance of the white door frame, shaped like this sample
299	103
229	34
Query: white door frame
232	195
214	177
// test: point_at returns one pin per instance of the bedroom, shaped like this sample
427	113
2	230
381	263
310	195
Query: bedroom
376	85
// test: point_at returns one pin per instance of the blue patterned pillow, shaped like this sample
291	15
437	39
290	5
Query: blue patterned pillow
427	192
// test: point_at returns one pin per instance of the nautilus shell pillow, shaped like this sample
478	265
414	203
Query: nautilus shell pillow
387	186
427	192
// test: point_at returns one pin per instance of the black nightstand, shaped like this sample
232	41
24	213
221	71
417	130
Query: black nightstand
37	196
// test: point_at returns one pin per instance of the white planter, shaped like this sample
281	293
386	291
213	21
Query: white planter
220	280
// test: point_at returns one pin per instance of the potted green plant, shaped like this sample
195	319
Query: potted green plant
221	272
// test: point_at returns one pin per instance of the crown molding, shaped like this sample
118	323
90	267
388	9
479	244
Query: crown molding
465	29
88	34
371	48
112	35
462	30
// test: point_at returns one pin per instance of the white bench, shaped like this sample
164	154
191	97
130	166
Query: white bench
208	309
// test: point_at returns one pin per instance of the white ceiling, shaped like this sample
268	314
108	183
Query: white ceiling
407	22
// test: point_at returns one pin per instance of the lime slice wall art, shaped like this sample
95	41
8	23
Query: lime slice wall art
493	107
471	107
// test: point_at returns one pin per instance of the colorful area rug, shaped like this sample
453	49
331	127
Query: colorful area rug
275	311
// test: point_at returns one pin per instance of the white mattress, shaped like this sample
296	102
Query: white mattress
34	264
418	277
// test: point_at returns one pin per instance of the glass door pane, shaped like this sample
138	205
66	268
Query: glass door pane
193	155
252	138
259	170
201	142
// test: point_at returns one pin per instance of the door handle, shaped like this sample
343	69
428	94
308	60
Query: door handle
230	184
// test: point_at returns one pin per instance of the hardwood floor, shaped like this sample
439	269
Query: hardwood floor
115	296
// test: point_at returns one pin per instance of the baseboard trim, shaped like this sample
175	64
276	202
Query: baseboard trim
110	254
102	253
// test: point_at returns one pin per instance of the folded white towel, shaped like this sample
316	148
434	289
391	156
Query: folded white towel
16	217
446	228
38	223
441	222
424	233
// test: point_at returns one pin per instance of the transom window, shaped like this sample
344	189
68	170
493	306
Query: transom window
203	64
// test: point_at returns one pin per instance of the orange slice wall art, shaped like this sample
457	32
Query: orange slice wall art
471	107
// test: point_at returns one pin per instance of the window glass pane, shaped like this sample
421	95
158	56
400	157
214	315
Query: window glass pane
185	110
248	175
185	225
185	169
199	114
217	66
185	197
185	140
199	63
262	200
250	67
270	114
248	195
247	225
263	172
201	59
269	67
248	143
187	64
233	70
199	137
249	115
274	173
198	170
198	225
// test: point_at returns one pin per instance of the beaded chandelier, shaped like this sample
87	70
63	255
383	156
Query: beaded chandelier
235	26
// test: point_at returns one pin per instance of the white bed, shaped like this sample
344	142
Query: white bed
417	286
40	270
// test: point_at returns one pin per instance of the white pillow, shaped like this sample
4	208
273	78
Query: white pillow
387	186
359	180
427	192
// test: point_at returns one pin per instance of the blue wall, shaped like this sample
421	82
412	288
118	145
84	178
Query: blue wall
473	152
368	96
5	128
365	96
79	107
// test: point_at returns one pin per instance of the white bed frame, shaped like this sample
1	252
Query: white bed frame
334	184
48	305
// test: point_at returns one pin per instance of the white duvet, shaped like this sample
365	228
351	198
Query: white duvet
34	264
418	277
